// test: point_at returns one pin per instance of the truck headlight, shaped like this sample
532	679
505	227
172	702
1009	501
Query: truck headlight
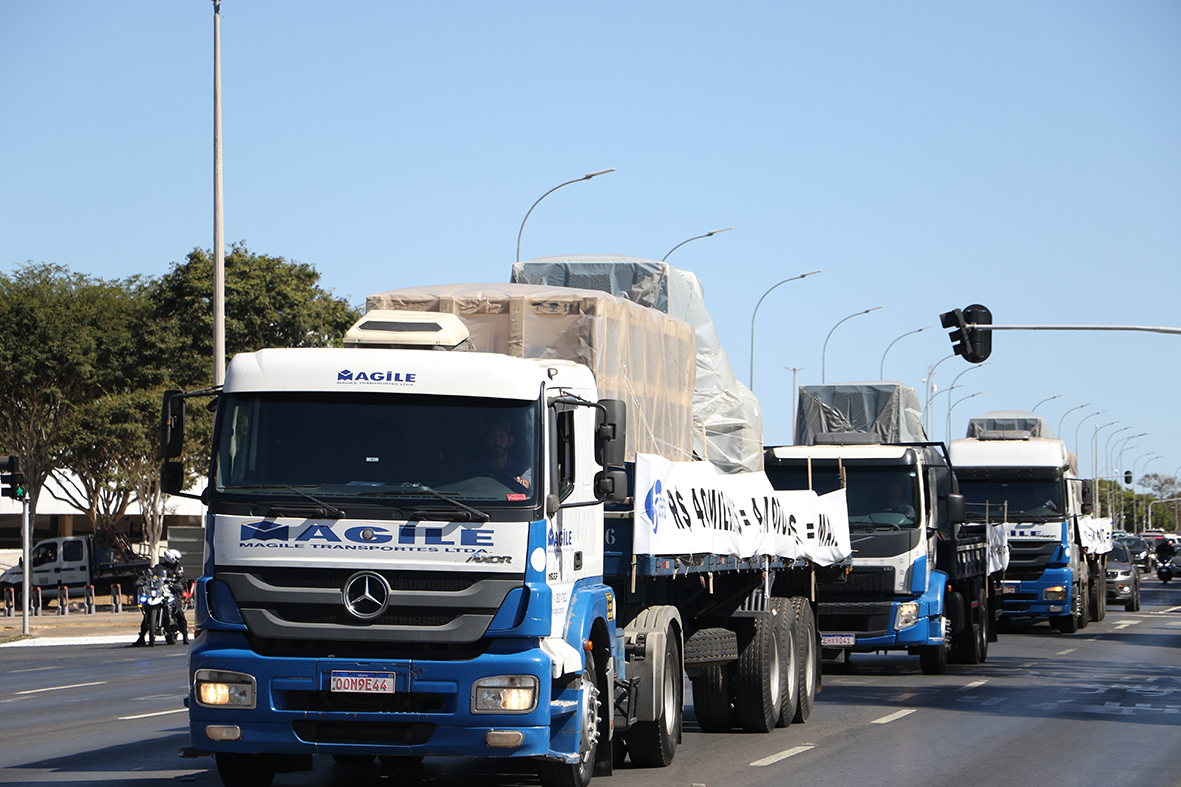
504	694
908	615
1056	593
220	688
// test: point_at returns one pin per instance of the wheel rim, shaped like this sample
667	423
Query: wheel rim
670	695
775	689
809	665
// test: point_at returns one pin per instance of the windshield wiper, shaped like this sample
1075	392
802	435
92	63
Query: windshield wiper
328	509
407	490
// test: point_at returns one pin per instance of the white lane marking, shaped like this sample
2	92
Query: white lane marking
893	716
59	688
1124	624
1174	624
972	685
55	776
40	642
149	715
783	755
1171	609
1064	652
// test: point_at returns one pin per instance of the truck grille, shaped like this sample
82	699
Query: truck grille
307	606
862	581
1030	556
869	619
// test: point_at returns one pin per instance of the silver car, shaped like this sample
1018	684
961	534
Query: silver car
1123	578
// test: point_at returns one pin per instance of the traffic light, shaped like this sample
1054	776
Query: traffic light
1128	477
974	344
12	484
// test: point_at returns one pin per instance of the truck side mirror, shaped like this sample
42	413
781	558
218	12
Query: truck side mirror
955	509
610	433
172	425
172	477
611	485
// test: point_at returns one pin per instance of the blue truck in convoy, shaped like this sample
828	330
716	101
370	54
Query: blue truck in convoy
479	529
1013	472
921	580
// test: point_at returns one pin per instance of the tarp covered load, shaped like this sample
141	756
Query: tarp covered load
1009	421
690	508
890	410
642	356
727	420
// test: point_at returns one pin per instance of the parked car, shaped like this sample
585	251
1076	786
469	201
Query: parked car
1123	579
1140	552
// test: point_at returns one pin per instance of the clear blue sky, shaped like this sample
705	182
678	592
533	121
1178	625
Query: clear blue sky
924	155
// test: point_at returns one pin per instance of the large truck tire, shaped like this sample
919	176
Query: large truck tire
652	744
788	637
758	675
1099	597
1084	610
970	646
564	774
933	658
712	699
245	770
808	654
1067	624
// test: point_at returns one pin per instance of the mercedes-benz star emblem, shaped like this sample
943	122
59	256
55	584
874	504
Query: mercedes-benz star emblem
366	595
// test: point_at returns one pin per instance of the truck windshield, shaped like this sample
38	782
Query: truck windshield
884	497
1010	501
377	446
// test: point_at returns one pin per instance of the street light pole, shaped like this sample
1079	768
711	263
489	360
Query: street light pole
1095	456
882	369
1079	426
1043	401
795	403
1062	420
952	407
751	379
219	252
709	234
953	385
587	176
929	380
824	352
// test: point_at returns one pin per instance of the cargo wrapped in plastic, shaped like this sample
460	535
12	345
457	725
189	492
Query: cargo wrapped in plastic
641	356
886	409
727	420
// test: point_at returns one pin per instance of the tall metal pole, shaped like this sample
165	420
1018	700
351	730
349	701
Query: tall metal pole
1095	456
1043	401
1062	420
1076	431
219	253
824	352
953	385
587	176
709	234
795	399
882	366
755	313
930	382
952	407
26	540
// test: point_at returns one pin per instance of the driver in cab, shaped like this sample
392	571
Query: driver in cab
496	443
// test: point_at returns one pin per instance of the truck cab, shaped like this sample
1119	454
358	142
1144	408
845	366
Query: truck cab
1014	473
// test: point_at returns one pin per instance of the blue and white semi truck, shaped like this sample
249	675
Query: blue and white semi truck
1013	472
921	581
481	552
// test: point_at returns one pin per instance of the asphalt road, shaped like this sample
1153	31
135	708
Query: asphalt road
1100	706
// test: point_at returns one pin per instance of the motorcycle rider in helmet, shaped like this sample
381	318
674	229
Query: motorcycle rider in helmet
169	568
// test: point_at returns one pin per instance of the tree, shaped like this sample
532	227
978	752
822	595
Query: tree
64	339
269	302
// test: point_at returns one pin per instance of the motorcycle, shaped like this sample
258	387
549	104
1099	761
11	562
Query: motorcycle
157	603
1166	571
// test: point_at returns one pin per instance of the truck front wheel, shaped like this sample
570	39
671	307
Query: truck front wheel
562	774
933	658
758	675
245	770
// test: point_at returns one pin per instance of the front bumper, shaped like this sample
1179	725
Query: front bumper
429	714
1026	598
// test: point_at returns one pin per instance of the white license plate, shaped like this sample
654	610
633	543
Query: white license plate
363	682
1010	589
837	640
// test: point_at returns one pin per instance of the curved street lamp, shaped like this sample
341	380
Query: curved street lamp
751	379
1068	412
929	380
953	385
882	369
1082	421
709	234
1043	401
953	406
587	176
824	352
